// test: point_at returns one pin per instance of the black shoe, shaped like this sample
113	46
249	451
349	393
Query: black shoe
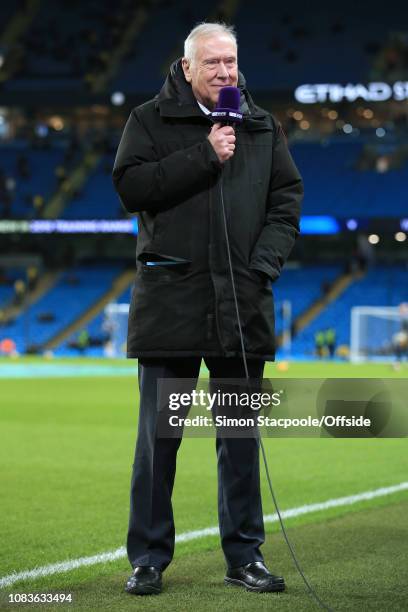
145	581
255	577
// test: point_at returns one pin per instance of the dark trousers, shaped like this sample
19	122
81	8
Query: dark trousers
151	533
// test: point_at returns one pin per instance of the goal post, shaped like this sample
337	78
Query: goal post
378	332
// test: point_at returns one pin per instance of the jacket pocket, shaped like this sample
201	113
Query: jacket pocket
165	270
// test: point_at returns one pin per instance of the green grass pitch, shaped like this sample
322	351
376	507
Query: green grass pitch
66	454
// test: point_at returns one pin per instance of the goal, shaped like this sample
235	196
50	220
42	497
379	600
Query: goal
378	333
115	326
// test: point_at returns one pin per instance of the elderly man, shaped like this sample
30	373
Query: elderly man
168	170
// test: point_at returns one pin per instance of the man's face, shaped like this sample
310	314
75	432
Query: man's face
214	66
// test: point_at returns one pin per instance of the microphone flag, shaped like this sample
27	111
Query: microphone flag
227	109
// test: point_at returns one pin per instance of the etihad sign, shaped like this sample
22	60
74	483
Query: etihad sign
333	92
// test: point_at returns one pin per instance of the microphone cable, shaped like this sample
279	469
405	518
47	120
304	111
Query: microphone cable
311	590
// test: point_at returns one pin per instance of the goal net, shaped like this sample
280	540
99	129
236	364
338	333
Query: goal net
115	326
378	333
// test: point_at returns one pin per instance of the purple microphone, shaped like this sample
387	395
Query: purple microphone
227	109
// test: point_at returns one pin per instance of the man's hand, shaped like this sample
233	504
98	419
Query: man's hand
222	139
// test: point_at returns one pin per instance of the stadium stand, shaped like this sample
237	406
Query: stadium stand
67	173
335	186
302	46
98	334
96	199
7	279
26	173
142	72
298	46
6	13
66	42
77	289
335	183
6	294
381	286
313	280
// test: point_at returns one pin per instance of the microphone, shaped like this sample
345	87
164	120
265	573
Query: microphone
227	109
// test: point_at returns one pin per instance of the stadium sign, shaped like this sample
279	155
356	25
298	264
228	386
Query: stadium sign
333	92
64	226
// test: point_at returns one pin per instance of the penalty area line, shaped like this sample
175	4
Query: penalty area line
119	553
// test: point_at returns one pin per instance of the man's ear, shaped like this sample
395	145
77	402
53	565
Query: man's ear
186	65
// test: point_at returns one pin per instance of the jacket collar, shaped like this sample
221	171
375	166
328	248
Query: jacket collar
176	98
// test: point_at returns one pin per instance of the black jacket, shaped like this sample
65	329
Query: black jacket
167	172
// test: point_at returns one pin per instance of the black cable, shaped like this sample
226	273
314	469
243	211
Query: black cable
233	283
292	552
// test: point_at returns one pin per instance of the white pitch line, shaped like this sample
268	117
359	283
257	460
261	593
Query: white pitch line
66	566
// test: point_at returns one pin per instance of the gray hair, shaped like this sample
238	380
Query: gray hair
206	29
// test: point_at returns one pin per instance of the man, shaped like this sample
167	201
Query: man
168	170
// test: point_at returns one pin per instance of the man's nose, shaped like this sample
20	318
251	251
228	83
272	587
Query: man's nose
223	71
